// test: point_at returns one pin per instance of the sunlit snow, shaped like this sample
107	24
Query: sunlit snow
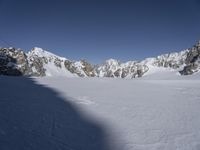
156	112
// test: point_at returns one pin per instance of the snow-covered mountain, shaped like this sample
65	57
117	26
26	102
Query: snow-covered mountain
184	63
114	68
39	62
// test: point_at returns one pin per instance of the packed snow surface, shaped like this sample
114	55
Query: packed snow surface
100	113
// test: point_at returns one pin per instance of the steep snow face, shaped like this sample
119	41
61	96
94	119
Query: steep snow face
39	52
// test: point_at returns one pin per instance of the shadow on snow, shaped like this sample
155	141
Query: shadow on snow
35	117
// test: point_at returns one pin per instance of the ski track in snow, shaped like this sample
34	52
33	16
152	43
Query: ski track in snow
134	114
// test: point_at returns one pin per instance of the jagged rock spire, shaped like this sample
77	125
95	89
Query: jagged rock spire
192	60
198	44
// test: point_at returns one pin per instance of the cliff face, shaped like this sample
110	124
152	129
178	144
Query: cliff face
192	60
13	62
39	62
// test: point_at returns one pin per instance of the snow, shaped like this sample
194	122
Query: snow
148	66
53	70
79	67
111	67
162	118
101	113
176	57
43	53
160	73
50	68
112	62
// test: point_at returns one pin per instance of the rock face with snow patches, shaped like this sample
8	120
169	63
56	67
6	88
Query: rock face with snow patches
114	68
13	62
192	60
133	69
39	62
44	63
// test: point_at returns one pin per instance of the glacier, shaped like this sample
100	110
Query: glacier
51	102
100	113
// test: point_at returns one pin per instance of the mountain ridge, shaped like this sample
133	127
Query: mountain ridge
39	62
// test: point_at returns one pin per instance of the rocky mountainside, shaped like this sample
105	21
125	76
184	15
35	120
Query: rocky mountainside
132	69
39	62
192	60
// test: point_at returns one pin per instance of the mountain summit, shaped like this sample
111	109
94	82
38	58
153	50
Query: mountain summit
39	62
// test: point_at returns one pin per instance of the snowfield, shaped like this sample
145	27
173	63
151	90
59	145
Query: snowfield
62	113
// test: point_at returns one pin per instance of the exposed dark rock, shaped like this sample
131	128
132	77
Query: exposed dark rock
57	62
192	61
70	66
7	63
117	73
88	68
37	66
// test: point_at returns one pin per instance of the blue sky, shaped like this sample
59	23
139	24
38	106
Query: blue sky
100	29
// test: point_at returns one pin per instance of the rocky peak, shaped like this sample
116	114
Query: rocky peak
112	62
198	44
37	50
10	60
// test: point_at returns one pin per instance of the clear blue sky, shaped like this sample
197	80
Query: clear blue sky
100	29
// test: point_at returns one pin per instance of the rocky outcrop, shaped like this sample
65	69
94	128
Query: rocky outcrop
88	68
69	65
172	60
10	60
114	68
192	60
37	66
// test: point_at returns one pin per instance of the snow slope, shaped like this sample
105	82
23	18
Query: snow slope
139	114
35	117
100	113
158	73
